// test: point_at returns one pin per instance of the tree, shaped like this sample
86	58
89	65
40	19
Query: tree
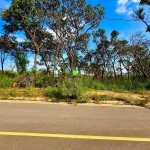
140	54
47	50
121	49
3	50
21	63
72	23
142	15
26	16
145	2
114	51
19	55
7	44
101	55
16	50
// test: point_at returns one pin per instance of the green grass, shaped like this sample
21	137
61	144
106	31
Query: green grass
73	88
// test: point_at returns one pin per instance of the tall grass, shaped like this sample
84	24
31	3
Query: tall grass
6	81
70	86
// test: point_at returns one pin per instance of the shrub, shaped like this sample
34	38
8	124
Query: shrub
147	84
45	81
53	93
5	81
72	88
10	74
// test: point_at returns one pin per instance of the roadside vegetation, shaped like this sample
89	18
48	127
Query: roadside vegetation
58	35
78	89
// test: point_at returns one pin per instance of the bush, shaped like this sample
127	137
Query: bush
5	81
72	88
147	84
9	74
45	81
91	83
54	93
69	88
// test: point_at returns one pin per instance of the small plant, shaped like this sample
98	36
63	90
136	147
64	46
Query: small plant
54	93
13	93
98	97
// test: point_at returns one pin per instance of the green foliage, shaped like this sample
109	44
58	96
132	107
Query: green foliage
5	81
110	84
72	88
9	74
21	63
13	93
54	93
7	78
145	2
45	81
91	83
42	81
147	84
69	88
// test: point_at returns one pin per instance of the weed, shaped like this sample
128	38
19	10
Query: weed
54	93
5	81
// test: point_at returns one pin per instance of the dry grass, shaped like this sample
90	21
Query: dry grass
21	92
98	96
127	97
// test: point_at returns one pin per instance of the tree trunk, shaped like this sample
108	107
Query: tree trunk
121	71
2	62
114	71
35	67
35	61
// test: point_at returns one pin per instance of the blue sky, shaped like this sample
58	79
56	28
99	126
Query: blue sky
120	9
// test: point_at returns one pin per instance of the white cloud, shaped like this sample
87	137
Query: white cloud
121	9
19	39
122	2
123	6
52	32
130	12
135	1
31	63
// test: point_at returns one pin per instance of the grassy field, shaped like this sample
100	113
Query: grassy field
90	96
82	89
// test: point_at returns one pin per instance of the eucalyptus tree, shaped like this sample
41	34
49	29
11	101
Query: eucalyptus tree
16	51
19	54
28	17
72	22
125	58
87	61
120	48
4	49
140	53
102	53
48	49
147	2
143	15
114	51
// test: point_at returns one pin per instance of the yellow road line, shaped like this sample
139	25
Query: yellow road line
111	138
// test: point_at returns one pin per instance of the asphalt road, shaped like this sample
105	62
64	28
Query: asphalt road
43	126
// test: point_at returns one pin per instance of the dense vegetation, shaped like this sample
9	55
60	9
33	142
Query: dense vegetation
60	32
